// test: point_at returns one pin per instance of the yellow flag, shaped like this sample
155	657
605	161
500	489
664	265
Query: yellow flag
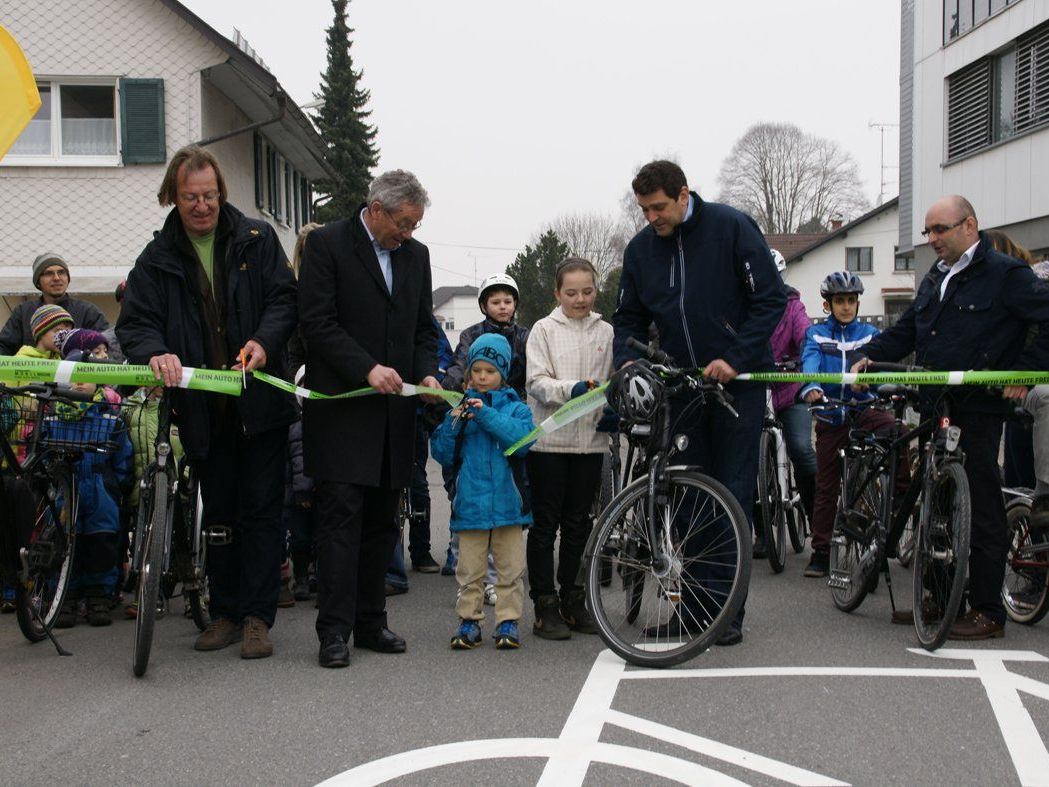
19	99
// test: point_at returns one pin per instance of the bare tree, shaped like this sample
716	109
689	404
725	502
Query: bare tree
784	178
593	236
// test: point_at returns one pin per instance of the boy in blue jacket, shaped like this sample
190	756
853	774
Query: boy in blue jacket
831	348
490	507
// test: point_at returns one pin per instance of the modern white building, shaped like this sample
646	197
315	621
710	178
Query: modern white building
866	246
974	116
123	85
456	308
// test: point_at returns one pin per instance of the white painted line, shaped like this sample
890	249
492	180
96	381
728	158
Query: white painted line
64	372
1030	758
961	654
722	751
800	672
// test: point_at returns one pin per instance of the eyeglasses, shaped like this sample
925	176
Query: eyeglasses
402	226
939	229
56	273
210	198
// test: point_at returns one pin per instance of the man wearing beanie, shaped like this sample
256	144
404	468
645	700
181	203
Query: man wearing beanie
51	277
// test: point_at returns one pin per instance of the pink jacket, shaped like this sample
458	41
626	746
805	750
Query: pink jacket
787	341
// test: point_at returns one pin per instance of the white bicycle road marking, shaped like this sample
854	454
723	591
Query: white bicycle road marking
570	755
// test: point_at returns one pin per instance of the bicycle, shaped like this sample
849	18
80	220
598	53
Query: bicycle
170	542
870	521
1025	587
778	499
677	539
40	446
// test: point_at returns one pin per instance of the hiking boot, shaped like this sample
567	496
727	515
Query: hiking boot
284	598
490	596
819	565
575	614
425	565
256	644
67	615
548	621
98	611
1039	519
219	634
506	637
468	636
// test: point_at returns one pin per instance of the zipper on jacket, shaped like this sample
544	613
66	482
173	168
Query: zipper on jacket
681	299
673	262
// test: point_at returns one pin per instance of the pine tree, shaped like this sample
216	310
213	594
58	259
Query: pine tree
342	121
533	270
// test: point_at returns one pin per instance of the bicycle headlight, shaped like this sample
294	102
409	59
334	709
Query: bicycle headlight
680	442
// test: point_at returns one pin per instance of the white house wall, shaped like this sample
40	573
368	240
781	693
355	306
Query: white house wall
462	311
880	233
1007	183
100	218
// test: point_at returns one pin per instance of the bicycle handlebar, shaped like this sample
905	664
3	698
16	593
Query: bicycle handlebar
48	391
650	352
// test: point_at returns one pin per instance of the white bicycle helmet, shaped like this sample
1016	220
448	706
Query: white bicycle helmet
781	264
497	280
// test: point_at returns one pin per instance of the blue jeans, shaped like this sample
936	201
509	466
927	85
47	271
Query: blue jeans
797	431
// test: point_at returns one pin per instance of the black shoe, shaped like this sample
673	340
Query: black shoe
395	590
381	641
425	565
760	551
333	652
730	636
1039	519
302	589
575	614
819	565
672	629
548	621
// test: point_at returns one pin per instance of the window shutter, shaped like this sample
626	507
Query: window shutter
142	121
969	109
260	174
1032	79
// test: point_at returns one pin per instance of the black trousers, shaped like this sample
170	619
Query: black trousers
355	532
242	483
563	489
989	539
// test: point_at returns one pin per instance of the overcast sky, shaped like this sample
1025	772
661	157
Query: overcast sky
512	114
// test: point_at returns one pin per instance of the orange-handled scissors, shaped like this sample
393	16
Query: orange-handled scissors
243	368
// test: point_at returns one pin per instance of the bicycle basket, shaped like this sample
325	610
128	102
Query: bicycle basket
69	426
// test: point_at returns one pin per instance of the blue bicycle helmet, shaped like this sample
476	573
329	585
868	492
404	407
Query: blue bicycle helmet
841	283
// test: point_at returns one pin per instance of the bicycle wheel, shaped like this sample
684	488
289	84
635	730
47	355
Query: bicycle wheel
191	563
149	573
49	552
941	556
681	610
854	546
905	546
770	500
1025	589
797	521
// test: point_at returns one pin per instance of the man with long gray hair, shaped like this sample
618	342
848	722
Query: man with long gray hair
365	306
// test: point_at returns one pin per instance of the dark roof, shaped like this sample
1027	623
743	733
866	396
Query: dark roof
842	231
789	244
444	294
269	97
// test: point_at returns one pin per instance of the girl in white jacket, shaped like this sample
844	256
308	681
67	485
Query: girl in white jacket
569	353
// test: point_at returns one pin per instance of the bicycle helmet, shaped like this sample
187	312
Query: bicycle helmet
500	280
841	283
781	264
635	392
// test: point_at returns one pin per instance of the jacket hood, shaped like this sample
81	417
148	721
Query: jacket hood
232	223
559	316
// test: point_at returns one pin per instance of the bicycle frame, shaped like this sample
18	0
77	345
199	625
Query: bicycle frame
774	428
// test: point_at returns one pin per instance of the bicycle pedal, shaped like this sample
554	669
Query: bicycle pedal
219	535
839	580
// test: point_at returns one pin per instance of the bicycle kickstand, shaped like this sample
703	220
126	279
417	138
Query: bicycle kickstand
50	635
888	584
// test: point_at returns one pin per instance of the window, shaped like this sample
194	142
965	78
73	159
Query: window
280	190
449	325
998	97
75	124
859	259
903	262
960	16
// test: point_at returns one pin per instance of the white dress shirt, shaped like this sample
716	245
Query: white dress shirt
385	263
960	265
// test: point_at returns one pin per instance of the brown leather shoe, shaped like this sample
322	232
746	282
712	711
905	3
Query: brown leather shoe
256	643
975	625
219	634
905	617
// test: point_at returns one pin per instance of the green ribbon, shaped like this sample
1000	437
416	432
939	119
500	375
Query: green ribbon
903	378
407	389
570	411
19	371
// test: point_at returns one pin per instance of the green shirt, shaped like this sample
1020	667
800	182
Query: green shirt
205	248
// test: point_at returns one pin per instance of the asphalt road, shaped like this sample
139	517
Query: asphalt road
811	696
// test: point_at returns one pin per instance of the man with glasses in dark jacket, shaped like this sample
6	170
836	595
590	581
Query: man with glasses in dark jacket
972	311
214	290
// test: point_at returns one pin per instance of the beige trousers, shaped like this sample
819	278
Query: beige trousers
507	547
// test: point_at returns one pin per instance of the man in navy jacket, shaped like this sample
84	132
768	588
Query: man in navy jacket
702	273
972	311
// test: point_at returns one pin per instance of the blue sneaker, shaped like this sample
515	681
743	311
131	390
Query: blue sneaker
468	636
506	636
7	604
